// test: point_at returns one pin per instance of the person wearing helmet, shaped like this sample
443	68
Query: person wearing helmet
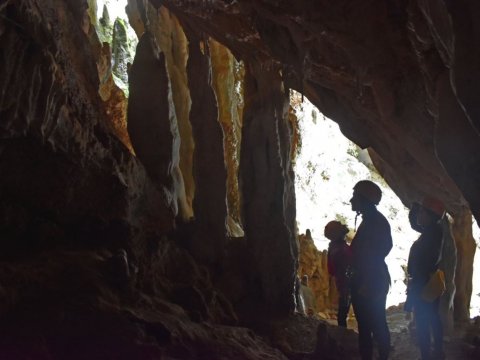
370	279
423	260
338	260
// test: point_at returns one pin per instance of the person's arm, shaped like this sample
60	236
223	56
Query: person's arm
330	264
433	254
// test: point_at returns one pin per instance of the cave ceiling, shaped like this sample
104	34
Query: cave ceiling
397	76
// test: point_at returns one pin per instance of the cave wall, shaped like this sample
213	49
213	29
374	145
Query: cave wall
60	165
227	77
105	223
313	263
89	245
466	247
398	77
371	67
221	102
210	173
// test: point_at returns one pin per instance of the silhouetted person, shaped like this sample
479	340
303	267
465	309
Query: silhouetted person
423	261
338	260
448	264
370	277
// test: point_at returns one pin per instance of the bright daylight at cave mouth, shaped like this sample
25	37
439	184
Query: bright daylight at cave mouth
327	167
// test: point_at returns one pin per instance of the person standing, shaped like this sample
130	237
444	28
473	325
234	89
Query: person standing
338	261
447	263
423	262
370	279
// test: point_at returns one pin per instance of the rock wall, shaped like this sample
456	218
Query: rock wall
87	229
313	263
228	76
466	248
268	196
398	77
58	154
210	172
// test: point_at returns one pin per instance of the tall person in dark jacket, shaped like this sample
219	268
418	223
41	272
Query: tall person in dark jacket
370	279
338	261
423	260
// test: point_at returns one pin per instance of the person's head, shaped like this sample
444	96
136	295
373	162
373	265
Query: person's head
335	230
431	211
305	280
366	195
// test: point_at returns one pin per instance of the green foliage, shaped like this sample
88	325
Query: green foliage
376	177
314	117
92	11
105	27
341	218
392	212
121	54
325	176
122	41
352	150
311	167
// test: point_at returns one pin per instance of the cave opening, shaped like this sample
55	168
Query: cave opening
112	25
327	165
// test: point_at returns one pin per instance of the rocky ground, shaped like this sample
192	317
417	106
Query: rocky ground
301	337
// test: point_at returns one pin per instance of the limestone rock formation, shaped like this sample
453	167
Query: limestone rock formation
391	73
313	263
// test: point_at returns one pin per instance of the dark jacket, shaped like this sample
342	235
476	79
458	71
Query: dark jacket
339	258
370	246
448	259
425	255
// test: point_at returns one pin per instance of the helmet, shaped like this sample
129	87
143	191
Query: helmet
369	190
335	230
435	205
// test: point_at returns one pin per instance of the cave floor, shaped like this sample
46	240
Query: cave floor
296	338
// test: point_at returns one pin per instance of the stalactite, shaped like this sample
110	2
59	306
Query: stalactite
227	79
210	172
170	39
268	200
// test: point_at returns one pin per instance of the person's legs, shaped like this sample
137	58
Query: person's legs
361	309
437	329
422	320
381	333
343	307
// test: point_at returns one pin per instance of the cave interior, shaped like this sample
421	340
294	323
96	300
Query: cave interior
158	222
